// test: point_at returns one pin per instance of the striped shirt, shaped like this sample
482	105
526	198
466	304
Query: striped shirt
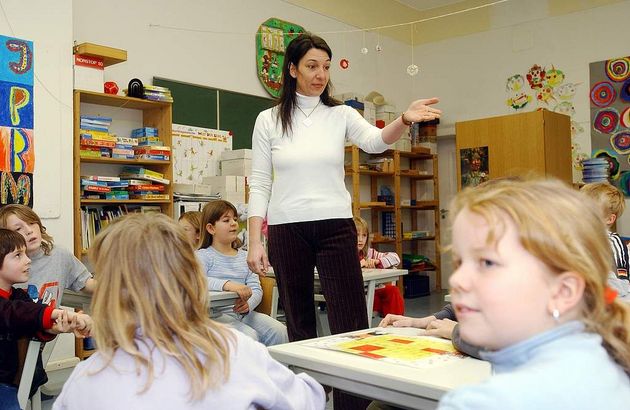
620	252
386	260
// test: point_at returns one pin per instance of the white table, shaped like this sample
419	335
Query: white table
371	278
399	385
82	300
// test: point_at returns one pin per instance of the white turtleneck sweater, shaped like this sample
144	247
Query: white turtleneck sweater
300	177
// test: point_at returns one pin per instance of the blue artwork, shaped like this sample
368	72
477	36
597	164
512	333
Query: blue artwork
16	105
16	60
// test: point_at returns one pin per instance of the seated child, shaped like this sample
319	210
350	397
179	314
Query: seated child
53	269
191	222
387	299
226	268
531	262
611	202
157	347
370	257
21	318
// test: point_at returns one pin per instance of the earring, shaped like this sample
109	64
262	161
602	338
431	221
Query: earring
556	315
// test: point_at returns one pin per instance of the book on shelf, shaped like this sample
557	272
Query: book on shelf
97	143
150	196
96	188
152	149
146	187
92	182
127	141
94	154
94	219
122	151
148	139
97	135
100	178
144	132
155	157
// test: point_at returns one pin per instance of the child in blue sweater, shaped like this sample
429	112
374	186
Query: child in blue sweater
530	287
226	268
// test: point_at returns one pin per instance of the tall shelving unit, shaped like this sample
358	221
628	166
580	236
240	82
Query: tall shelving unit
420	172
154	114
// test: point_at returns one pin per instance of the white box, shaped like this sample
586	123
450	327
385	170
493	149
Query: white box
236	154
192	189
88	73
241	167
233	183
235	197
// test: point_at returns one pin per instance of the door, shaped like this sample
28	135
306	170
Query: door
447	168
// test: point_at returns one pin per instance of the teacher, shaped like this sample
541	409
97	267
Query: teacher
297	182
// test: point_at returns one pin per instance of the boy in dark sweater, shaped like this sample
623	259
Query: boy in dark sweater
21	318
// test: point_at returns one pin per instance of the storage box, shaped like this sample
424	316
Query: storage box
192	189
416	285
226	183
236	154
241	167
88	73
235	197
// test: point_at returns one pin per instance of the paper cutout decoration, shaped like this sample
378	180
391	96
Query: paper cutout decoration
518	97
624	93
606	121
624	118
603	94
536	76
621	142
553	77
272	38
566	91
16	188
566	108
618	69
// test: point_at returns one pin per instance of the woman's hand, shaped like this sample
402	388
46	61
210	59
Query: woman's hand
257	259
421	110
441	328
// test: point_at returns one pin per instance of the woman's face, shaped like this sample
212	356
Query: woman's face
312	73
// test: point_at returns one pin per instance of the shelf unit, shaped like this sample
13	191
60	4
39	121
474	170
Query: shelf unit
155	114
409	168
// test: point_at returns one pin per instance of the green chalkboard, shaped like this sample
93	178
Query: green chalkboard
196	105
238	114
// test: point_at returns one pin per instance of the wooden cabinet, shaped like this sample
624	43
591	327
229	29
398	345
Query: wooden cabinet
536	142
132	113
413	178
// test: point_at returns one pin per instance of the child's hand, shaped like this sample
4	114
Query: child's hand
363	263
405	321
441	328
61	322
82	325
241	307
244	292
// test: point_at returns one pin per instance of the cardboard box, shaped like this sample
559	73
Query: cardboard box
88	73
241	167
230	183
192	189
236	154
234	197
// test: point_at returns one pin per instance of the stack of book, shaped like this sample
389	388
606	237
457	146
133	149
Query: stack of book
95	139
595	170
103	187
145	184
124	148
155	93
95	219
149	145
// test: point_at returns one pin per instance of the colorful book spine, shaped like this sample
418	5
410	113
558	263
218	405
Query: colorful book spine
97	143
150	196
100	178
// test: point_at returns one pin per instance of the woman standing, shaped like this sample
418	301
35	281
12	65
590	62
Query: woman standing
297	182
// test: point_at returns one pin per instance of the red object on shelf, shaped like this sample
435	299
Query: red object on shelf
110	87
380	124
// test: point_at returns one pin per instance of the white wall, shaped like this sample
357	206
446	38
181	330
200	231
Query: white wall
226	58
49	25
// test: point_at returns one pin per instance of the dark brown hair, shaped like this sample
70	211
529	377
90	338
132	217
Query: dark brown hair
10	241
211	213
287	102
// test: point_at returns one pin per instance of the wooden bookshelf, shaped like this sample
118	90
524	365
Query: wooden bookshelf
155	114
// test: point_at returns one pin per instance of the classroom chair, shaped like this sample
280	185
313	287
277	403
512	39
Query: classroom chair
269	303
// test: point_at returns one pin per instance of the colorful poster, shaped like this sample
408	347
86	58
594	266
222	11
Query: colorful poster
17	153
272	38
416	351
474	166
610	117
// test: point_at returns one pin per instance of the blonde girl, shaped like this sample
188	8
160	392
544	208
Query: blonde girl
370	257
227	270
531	259
157	348
191	223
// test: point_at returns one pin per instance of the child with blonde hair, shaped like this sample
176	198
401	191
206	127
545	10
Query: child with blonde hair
226	268
530	287
370	257
157	348
611	202
190	221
